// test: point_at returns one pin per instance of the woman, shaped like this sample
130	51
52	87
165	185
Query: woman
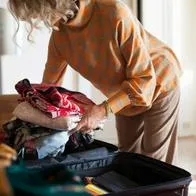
106	44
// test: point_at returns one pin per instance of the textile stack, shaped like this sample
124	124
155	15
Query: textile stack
42	120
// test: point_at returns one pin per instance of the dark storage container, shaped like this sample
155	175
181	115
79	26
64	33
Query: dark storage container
154	178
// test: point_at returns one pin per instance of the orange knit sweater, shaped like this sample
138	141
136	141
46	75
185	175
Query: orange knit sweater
108	46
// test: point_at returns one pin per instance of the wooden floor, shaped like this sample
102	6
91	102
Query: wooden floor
187	159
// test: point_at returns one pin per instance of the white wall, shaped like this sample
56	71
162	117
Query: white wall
29	64
157	18
3	3
185	45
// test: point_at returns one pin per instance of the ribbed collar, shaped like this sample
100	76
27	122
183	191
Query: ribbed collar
83	16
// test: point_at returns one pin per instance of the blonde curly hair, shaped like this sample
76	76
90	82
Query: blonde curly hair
35	11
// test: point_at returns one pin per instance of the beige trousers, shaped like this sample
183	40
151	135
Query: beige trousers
154	132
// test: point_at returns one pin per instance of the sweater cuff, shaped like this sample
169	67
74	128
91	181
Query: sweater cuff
118	101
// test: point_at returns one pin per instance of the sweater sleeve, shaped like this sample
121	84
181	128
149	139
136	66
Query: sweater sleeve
55	66
140	82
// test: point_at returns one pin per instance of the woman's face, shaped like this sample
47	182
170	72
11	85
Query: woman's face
72	9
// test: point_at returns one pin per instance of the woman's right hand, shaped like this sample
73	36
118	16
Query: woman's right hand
7	154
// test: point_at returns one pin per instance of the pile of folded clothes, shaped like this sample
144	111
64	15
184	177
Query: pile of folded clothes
42	121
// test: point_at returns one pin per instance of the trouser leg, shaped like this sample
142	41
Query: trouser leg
154	132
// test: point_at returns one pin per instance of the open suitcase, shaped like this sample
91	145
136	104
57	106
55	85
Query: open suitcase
151	177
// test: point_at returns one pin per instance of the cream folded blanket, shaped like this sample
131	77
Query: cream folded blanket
24	111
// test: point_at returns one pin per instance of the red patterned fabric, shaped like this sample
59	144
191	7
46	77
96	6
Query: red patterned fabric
53	100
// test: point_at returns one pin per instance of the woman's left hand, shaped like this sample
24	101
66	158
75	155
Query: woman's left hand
7	154
91	119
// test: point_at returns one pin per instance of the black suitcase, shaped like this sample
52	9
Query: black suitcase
154	178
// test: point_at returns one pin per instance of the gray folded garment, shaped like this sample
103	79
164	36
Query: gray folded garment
26	112
51	145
